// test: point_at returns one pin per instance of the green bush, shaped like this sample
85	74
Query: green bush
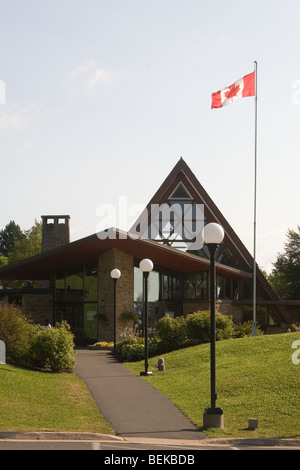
133	349
172	333
16	331
130	349
132	352
198	327
224	326
245	329
180	332
190	330
32	345
53	349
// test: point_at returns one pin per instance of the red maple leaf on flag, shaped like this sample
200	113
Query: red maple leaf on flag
232	91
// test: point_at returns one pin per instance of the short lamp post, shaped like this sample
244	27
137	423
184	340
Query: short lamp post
146	267
115	274
213	235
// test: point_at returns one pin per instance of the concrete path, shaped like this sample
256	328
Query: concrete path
132	406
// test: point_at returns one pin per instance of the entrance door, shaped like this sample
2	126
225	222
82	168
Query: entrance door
72	313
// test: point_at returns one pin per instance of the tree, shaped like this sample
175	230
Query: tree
3	261
28	245
9	236
285	277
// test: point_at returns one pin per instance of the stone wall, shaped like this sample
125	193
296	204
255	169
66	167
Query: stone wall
226	307
38	306
109	260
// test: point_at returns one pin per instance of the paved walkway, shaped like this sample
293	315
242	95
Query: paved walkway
132	406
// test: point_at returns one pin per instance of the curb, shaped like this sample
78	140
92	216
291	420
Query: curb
77	436
248	441
54	436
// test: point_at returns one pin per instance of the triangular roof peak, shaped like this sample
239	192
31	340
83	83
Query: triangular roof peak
182	185
182	181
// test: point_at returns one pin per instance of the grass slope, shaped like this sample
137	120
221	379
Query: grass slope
38	401
255	378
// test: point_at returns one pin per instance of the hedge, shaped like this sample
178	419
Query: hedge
176	333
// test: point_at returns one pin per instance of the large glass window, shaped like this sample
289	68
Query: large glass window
195	286
90	320
227	288
153	286
90	283
170	287
76	299
164	294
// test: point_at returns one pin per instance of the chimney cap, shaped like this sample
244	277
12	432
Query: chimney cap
55	216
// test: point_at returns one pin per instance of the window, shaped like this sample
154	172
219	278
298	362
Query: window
170	287
227	288
153	286
161	285
76	299
90	283
195	286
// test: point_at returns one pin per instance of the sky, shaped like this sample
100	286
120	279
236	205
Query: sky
99	99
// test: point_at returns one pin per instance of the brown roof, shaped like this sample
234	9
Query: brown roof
41	266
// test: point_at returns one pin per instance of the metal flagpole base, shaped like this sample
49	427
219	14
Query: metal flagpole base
213	418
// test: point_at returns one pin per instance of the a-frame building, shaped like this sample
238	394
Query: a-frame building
181	187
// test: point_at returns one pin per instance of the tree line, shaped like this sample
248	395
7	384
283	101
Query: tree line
17	244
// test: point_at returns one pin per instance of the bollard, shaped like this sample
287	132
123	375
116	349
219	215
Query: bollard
161	364
252	424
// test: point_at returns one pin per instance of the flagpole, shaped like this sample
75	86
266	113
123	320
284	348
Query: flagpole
254	223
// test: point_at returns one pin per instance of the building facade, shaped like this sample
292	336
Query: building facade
74	277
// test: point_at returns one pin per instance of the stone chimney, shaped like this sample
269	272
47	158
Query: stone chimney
55	231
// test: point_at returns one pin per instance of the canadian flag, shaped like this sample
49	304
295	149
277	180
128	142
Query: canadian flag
243	87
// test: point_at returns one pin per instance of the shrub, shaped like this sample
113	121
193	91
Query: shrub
130	349
172	333
224	327
245	329
198	327
16	331
190	330
133	349
53	349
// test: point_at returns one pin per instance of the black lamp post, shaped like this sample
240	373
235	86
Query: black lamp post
115	274
146	266
213	235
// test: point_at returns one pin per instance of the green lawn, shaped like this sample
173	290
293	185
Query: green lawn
38	401
255	378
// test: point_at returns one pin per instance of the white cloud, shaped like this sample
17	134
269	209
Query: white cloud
19	119
14	120
88	77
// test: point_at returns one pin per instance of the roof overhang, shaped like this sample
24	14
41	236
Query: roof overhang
44	265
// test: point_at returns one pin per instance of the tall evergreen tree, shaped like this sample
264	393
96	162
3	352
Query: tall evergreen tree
9	236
